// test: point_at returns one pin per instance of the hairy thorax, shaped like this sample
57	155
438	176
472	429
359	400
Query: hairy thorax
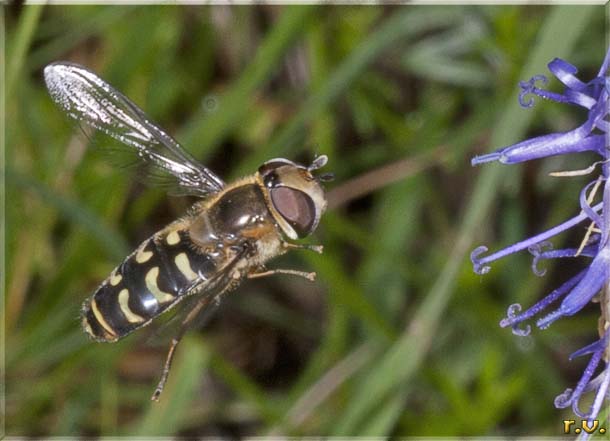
238	215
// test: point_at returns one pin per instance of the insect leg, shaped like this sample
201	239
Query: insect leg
308	276
172	349
193	313
166	368
296	246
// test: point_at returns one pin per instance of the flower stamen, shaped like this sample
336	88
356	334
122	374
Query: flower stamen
582	172
585	240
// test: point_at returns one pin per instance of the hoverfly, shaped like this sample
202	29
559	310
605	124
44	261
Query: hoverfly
226	237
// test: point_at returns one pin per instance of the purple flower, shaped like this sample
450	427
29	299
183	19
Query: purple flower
593	282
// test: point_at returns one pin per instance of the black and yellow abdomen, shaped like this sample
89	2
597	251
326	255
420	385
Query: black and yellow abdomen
187	257
165	268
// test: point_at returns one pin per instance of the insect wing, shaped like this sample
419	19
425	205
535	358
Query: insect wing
201	304
175	321
87	98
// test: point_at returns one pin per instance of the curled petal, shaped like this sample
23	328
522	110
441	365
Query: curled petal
538	251
564	399
565	72
529	87
512	319
479	267
586	207
537	271
541	254
522	332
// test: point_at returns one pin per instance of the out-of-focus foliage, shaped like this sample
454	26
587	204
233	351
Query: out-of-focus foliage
397	336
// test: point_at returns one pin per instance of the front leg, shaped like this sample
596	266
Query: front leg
257	274
297	246
286	246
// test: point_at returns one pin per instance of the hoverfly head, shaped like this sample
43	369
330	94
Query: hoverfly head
296	197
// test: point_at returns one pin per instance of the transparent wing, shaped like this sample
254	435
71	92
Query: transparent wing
205	300
172	323
89	99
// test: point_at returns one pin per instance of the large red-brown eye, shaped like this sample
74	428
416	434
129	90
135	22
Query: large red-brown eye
296	207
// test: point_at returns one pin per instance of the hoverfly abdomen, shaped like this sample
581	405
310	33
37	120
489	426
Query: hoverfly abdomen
155	277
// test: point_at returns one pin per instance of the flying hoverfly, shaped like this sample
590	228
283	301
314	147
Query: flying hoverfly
224	238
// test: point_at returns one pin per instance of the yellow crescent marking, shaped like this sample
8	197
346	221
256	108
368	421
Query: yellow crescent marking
87	327
183	264
115	279
143	256
173	238
127	312
102	321
151	284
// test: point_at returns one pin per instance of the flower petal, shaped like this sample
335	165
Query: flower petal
564	72
591	284
480	264
586	207
554	144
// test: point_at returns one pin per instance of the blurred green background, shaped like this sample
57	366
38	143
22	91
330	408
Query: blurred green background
397	336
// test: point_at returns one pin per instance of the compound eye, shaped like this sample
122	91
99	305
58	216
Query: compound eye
296	207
